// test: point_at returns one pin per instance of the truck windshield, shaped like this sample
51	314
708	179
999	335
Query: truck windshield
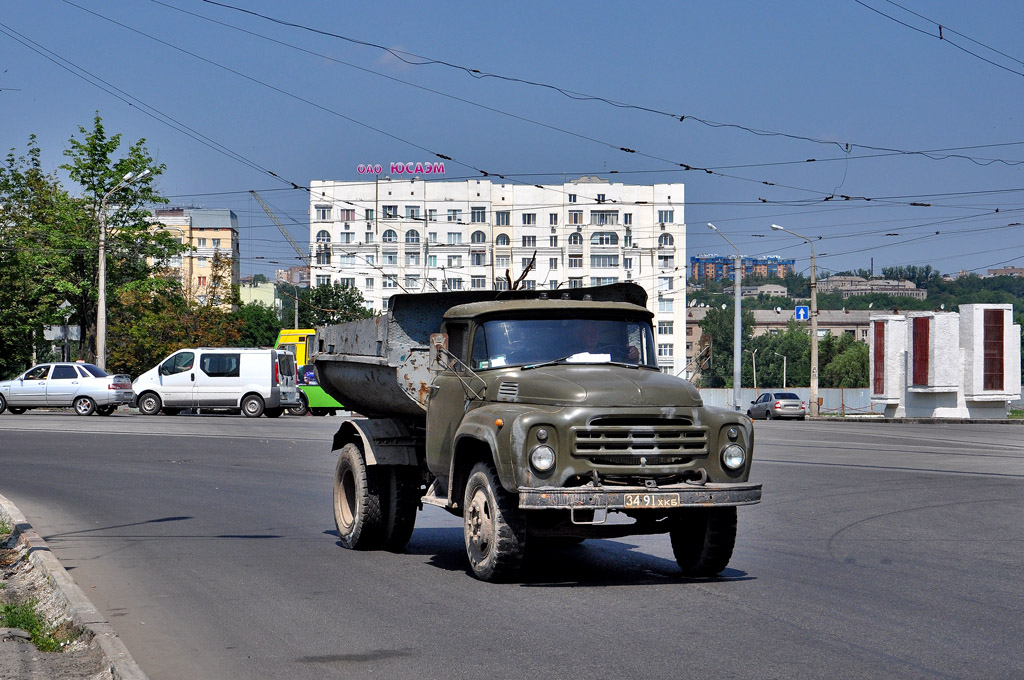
518	342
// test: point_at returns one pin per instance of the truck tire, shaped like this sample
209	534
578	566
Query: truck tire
403	501
252	406
494	530
274	412
702	540
149	404
357	502
106	410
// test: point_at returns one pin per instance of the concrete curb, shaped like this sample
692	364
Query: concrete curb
77	606
934	421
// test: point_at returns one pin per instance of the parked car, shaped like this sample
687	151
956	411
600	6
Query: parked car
85	387
253	381
777	405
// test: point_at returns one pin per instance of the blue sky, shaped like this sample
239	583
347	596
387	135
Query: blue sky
833	71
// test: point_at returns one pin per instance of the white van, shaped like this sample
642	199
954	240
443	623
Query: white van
254	381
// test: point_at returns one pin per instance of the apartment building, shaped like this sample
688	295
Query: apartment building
719	267
209	233
849	286
387	236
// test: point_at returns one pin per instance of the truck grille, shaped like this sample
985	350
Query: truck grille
625	442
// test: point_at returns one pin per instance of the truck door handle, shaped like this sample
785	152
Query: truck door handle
193	377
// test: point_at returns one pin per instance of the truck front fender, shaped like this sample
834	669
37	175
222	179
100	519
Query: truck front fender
384	441
480	425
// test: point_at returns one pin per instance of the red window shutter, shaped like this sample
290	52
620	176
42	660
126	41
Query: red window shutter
993	378
921	331
879	367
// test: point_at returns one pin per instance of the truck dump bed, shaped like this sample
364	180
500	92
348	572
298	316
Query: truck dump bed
379	366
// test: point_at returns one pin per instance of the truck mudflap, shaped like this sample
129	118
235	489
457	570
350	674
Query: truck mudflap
639	497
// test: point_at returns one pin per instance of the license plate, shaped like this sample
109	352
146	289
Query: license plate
652	500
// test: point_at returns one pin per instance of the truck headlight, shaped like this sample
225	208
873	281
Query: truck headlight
542	458
733	456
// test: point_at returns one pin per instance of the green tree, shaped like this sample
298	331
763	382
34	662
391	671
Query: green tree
259	325
322	305
717	330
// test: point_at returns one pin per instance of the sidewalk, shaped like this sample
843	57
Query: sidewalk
29	571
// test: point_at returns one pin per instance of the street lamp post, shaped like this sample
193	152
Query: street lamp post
783	369
814	323
737	328
101	303
753	363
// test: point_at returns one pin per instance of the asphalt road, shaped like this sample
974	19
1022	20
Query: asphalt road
880	550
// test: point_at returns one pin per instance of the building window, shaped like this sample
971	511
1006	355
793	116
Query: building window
389	258
348	260
665	327
412	282
453	284
478	237
454	215
993	376
431	214
323	280
553	241
689	346
501	283
604	238
576	282
346	237
432	237
478	258
390	212
369	237
664	283
502	261
368	283
385	304
553	284
454	238
455	260
323	213
412	212
431	261
604	261
216	243
201	281
502	240
478	282
369	259
347	215
575	217
369	214
529	285
666	216
575	262
412	236
389	281
627	219
665	350
603	280
553	219
323	257
665	240
502	218
572	198
552	263
529	241
921	342
478	215
200	243
666	261
600	198
604	216
390	236
412	260
665	305
347	283
529	219
627	263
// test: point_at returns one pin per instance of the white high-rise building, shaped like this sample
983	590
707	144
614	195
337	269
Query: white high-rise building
387	236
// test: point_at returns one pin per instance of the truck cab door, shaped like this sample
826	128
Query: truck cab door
447	403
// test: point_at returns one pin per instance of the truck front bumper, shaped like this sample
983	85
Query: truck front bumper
639	497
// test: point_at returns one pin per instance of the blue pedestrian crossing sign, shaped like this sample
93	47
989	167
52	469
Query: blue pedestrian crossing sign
803	313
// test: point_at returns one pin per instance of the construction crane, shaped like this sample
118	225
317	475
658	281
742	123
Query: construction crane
303	255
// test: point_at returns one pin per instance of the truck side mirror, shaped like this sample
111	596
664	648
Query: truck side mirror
438	351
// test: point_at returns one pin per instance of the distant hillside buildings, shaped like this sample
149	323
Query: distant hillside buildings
849	286
719	267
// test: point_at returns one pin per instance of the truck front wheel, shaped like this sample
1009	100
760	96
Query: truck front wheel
702	540
494	530
357	501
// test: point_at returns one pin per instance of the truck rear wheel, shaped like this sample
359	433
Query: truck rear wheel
702	540
494	530
357	501
402	505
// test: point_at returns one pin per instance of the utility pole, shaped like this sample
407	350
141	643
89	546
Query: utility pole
814	323
737	325
101	303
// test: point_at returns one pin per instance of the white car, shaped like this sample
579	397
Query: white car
253	381
85	387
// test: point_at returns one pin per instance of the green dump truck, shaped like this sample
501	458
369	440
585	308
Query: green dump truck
534	416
